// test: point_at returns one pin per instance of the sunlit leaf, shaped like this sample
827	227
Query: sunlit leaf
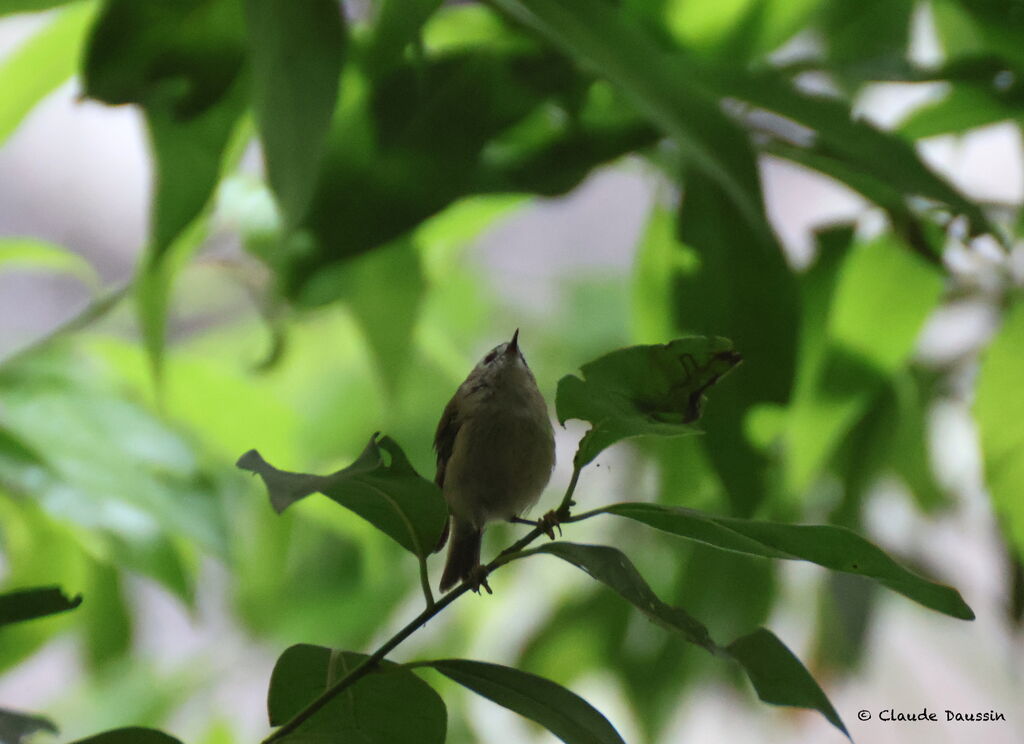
877	285
388	706
132	735
390	495
562	712
28	604
27	253
43	62
643	390
296	52
833	547
999	408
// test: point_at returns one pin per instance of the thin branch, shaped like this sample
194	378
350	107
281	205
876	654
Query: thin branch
432	609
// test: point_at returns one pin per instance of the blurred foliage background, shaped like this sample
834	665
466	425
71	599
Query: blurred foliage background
350	203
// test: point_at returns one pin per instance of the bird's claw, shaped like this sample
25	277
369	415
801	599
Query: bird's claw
549	523
477	578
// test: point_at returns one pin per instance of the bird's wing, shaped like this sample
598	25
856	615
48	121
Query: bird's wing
444	438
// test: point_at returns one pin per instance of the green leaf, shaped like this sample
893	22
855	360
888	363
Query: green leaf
399	23
42	63
296	53
612	568
384	290
28	253
661	88
643	390
788	683
131	735
736	283
778	676
388	706
964	107
391	496
836	548
998	409
15	727
862	150
28	604
877	285
29	6
562	712
184	63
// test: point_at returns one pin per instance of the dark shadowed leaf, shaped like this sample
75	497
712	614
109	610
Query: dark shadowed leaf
736	283
662	89
132	735
15	727
643	390
832	547
779	677
562	712
391	495
296	53
32	603
612	568
788	684
999	408
389	706
185	64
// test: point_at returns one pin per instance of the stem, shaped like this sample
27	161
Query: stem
432	609
425	581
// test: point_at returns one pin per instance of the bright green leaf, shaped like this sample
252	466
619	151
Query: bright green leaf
562	712
43	62
296	52
964	107
28	604
391	496
132	735
833	547
877	285
27	253
999	408
779	677
643	390
387	706
383	289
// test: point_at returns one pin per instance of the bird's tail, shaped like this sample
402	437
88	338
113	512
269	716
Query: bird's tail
463	553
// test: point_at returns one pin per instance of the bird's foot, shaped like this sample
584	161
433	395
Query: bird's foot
477	579
546	524
549	523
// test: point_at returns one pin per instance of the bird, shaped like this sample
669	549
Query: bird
495	452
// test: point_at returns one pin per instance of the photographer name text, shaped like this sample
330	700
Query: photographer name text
974	716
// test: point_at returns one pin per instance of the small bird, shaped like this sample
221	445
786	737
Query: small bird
495	452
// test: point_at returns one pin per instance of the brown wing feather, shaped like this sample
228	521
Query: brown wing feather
444	441
444	438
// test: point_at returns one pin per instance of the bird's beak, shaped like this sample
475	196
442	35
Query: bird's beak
513	345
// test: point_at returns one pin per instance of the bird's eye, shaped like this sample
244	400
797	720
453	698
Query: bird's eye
490	357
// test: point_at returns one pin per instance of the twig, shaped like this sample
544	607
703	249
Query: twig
432	609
